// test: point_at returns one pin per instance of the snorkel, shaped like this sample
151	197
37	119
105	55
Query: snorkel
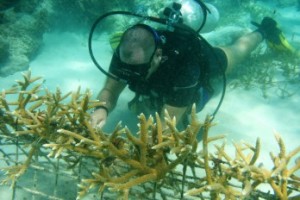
172	21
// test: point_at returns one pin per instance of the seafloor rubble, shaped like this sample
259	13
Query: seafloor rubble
153	163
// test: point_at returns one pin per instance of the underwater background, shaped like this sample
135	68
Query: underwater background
51	39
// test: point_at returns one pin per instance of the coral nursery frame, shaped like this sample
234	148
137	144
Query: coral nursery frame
48	148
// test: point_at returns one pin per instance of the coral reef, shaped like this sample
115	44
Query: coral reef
273	73
84	13
153	163
22	28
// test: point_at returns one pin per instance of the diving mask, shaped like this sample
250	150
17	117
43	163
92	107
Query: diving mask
129	72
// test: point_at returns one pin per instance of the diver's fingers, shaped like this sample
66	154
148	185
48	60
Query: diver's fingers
101	124
98	118
95	121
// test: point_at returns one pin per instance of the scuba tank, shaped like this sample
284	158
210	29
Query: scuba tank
201	17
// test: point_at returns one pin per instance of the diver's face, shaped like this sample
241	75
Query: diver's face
133	56
155	62
141	64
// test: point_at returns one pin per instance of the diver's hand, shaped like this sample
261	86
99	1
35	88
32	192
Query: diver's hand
98	118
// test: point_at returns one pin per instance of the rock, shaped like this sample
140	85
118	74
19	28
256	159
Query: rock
21	35
17	63
4	46
7	4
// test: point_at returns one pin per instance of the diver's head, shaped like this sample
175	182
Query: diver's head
139	49
137	45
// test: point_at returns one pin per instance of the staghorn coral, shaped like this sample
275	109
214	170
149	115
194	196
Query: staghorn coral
273	74
153	163
242	168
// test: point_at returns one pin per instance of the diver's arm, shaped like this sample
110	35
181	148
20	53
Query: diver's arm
109	95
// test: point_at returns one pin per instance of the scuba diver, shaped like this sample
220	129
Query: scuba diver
171	69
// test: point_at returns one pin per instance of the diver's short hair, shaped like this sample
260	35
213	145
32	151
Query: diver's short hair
137	45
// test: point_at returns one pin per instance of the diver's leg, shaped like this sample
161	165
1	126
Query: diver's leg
241	48
268	30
